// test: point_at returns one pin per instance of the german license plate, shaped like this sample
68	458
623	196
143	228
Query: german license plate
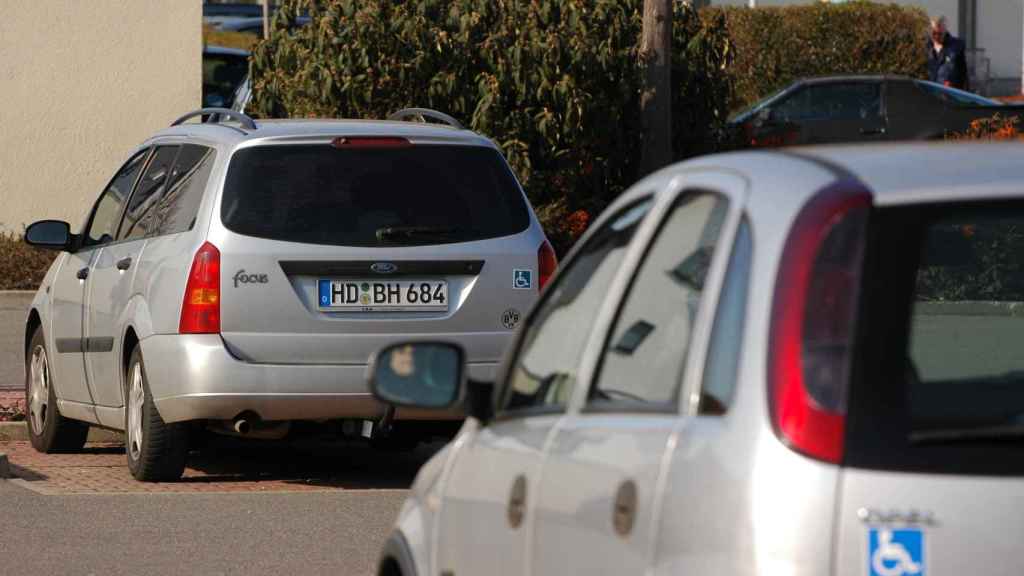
383	296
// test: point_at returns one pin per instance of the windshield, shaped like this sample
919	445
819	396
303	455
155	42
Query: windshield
319	194
954	97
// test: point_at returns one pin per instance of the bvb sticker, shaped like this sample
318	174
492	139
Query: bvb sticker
510	318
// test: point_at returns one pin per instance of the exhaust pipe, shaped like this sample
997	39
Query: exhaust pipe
242	426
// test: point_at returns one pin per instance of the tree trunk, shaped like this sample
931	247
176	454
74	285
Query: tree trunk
656	97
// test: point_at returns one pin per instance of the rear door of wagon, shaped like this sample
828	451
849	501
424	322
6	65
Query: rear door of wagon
334	248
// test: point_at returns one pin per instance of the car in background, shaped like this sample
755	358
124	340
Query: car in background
224	70
255	25
236	276
756	363
861	109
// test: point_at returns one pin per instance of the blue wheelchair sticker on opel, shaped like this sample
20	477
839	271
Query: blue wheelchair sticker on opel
896	552
522	279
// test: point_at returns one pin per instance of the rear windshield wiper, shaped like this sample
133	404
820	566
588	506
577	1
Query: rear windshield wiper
998	432
393	233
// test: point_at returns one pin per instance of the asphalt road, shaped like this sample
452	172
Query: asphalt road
338	529
333	533
13	308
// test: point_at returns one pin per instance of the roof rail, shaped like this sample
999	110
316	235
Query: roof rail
426	113
246	122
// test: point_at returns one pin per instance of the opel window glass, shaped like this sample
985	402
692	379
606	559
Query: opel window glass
647	346
545	370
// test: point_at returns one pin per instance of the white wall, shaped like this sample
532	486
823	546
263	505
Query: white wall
82	82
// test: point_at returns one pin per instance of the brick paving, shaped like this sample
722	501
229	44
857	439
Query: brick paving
226	465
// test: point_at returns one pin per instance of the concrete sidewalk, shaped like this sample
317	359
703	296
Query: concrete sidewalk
13	310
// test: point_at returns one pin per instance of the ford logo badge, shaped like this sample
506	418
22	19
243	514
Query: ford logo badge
384	268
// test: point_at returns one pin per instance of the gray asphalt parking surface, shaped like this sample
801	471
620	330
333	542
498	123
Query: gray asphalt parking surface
13	308
283	533
330	507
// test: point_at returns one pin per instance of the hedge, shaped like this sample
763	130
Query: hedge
554	83
777	45
22	267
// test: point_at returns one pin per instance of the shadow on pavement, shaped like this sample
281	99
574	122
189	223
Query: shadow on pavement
350	464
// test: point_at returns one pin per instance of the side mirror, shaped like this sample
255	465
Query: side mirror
418	374
49	234
764	116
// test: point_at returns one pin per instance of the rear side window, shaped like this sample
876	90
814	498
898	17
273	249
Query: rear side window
832	101
942	366
375	196
138	219
179	205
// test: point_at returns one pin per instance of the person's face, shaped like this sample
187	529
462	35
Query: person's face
938	32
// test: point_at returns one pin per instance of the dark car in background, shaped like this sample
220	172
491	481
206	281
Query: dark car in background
224	69
861	108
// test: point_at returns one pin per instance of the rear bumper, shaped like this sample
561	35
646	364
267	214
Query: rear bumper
194	377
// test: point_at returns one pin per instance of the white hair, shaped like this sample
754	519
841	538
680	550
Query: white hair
939	22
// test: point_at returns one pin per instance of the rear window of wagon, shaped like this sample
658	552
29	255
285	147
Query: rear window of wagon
373	196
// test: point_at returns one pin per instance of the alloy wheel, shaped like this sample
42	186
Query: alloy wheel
39	390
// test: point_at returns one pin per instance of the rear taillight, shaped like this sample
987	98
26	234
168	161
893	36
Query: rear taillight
814	319
200	311
547	263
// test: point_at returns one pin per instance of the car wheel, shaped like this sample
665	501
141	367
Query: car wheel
156	450
48	430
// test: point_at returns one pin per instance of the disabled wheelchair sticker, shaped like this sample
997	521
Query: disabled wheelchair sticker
522	279
896	552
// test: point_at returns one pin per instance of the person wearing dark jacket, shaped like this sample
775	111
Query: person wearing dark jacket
947	62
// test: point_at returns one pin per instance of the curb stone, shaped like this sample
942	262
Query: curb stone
5	467
18	432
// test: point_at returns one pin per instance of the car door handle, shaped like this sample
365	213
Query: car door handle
624	509
517	502
124	263
83	273
872	131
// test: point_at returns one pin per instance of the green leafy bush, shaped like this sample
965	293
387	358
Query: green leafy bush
555	83
777	45
22	267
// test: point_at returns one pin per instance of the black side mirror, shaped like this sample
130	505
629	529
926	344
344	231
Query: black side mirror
418	374
428	375
49	234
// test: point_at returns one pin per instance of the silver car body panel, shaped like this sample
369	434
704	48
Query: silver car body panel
731	498
277	355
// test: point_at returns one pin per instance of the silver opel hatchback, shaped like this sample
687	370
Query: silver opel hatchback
801	363
240	274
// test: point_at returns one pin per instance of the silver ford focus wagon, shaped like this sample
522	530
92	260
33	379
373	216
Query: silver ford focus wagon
238	275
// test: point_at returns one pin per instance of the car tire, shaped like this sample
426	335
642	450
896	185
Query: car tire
156	450
48	430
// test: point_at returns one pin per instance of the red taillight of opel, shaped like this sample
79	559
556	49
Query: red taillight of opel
814	317
200	310
547	264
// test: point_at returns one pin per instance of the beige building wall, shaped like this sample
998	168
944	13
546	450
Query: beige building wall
81	83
